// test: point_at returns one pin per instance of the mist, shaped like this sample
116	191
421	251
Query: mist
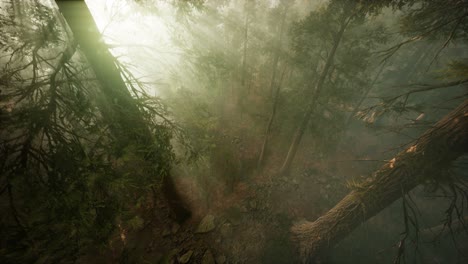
233	131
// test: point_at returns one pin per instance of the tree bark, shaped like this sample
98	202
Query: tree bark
425	159
121	110
270	123
311	107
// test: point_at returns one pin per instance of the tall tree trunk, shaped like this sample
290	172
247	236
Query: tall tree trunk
425	159
270	123
274	93
121	111
244	56
277	53
332	163
242	91
311	107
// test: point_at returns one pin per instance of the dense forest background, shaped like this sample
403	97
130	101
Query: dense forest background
217	131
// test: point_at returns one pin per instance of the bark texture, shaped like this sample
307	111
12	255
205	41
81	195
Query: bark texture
120	110
426	158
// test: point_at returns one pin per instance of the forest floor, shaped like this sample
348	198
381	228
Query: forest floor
248	221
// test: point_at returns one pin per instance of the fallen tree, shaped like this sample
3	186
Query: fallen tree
425	159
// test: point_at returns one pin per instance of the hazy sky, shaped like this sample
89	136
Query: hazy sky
139	39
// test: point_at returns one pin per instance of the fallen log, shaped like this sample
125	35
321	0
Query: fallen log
425	159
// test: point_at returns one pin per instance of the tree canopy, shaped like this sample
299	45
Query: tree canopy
119	117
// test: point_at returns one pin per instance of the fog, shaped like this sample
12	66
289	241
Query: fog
233	131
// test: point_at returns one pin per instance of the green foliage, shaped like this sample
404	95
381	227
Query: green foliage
436	19
75	164
66	177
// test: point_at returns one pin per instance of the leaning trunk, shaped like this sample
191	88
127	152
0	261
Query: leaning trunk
263	150
121	110
425	159
277	53
311	107
244	56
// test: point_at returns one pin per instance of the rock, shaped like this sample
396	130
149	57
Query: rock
166	232
253	204
320	180
175	228
186	257
208	258
236	221
206	225
221	259
226	230
243	209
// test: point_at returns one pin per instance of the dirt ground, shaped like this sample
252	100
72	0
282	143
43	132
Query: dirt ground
247	220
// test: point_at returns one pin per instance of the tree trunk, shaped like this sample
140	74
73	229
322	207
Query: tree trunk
311	107
242	92
123	115
244	56
425	159
270	123
277	53
121	111
274	93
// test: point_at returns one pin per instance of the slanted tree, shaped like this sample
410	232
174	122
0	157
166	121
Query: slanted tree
341	14
55	149
426	158
127	116
275	86
79	152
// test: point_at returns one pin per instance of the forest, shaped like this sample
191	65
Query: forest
234	131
